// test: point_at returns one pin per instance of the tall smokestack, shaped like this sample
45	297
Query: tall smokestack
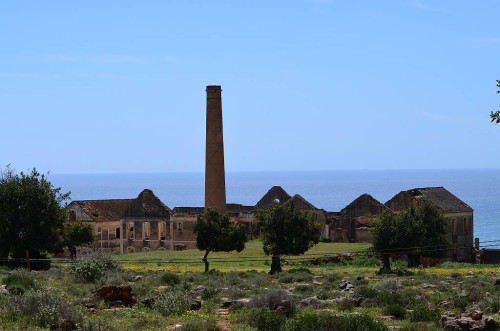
215	180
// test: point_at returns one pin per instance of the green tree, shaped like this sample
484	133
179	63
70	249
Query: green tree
495	115
215	233
32	214
76	233
286	230
416	232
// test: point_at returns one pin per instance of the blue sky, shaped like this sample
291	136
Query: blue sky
119	86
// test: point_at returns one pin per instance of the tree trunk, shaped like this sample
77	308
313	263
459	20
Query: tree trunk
413	260
275	264
205	260
386	263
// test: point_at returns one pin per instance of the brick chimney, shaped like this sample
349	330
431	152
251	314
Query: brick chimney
215	178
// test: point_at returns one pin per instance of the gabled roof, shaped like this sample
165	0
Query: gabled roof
364	205
147	204
438	196
300	202
104	210
275	194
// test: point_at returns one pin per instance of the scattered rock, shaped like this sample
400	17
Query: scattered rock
427	286
476	315
148	302
195	305
137	278
222	312
90	304
497	282
113	293
357	299
285	307
199	290
311	302
3	289
228	303
443	304
453	322
346	286
470	273
358	278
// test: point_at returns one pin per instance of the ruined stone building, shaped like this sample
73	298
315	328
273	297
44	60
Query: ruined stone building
353	222
131	225
459	215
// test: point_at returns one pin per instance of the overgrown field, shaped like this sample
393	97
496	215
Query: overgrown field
341	295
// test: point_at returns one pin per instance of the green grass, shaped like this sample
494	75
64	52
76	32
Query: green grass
251	258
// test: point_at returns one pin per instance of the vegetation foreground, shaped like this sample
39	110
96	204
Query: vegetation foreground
151	292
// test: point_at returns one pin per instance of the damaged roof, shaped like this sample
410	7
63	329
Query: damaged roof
104	210
440	197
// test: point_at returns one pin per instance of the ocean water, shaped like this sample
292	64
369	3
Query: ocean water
330	190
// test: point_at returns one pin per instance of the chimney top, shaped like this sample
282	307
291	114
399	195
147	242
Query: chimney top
214	87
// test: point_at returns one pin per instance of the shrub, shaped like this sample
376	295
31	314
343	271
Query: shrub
388	285
94	267
324	321
200	324
424	314
495	306
358	323
264	319
209	293
19	281
274	299
295	275
173	302
310	320
43	307
395	310
170	278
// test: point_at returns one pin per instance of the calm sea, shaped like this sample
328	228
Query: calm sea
331	190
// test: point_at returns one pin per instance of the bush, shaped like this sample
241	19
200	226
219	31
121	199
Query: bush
94	267
19	281
200	324
310	320
174	302
209	293
265	319
324	321
395	310
272	300
495	306
358	323
43	308
170	278
424	314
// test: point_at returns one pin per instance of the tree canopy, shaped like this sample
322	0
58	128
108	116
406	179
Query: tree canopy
286	230
32	214
495	115
416	232
215	233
